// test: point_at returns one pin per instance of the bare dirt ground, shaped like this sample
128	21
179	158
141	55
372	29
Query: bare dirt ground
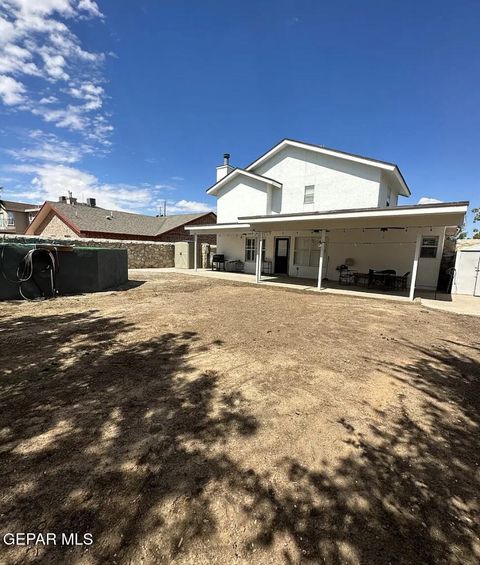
191	420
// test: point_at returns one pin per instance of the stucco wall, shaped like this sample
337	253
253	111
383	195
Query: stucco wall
370	249
141	254
21	223
339	183
241	197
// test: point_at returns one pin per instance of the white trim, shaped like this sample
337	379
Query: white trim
320	262
214	228
363	160
416	257
195	251
236	172
370	214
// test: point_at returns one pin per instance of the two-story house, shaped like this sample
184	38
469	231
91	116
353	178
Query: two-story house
15	217
308	211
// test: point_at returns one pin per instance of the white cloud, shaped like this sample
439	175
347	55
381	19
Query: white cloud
48	148
48	100
53	180
177	178
35	40
187	207
11	91
90	7
54	65
428	200
166	187
91	93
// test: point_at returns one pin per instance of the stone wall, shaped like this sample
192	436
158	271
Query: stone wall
207	251
141	254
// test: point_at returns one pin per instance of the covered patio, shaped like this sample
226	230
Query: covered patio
387	252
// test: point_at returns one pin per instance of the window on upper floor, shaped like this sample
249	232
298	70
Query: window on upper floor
10	219
429	247
31	217
309	194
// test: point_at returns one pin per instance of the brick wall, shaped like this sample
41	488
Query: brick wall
55	227
141	254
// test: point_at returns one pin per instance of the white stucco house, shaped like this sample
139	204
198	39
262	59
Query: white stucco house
303	210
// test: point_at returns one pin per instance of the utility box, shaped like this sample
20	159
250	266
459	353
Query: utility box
184	255
77	270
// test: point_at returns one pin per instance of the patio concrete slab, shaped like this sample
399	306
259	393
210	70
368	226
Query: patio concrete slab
457	304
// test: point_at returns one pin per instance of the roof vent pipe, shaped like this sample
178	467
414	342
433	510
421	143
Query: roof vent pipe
226	158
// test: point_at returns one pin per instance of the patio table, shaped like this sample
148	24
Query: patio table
376	278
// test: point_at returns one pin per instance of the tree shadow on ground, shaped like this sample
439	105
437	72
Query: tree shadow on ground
96	434
124	440
410	491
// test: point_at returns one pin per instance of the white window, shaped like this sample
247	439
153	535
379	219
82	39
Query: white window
429	247
307	251
31	217
309	194
10	219
251	249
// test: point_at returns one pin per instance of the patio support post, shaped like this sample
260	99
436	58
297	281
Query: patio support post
418	246
320	262
195	251
258	258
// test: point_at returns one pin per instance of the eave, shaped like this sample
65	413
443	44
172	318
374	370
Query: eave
241	172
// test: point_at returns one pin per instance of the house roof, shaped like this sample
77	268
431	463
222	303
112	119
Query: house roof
419	215
241	172
85	218
391	168
17	206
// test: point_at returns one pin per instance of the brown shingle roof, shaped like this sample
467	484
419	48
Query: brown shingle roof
100	220
17	206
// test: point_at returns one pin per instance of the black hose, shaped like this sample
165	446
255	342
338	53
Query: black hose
26	271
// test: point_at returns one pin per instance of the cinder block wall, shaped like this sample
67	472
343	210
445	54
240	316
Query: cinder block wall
141	254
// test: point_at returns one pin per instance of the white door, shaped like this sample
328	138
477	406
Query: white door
467	277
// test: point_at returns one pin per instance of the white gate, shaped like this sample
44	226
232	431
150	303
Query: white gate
467	274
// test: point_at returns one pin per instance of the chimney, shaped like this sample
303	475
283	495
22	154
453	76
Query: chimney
223	170
71	200
62	198
91	202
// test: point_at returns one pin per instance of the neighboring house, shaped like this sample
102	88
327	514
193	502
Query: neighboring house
15	217
71	219
303	210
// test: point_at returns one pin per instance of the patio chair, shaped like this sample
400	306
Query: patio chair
401	281
346	277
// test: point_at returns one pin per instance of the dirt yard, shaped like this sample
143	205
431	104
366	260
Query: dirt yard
191	420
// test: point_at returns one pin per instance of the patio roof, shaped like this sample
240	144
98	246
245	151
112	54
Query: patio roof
420	215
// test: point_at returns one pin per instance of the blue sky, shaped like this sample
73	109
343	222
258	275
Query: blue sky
136	102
